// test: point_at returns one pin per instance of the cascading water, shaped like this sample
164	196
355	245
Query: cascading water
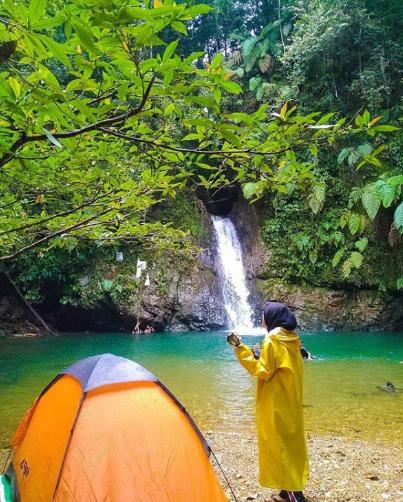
234	288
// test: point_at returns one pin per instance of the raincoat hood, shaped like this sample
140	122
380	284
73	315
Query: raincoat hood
287	338
277	315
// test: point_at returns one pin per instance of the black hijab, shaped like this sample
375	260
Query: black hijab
277	315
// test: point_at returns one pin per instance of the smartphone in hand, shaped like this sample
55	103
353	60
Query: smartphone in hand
233	339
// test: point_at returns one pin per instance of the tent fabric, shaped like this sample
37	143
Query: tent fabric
116	455
38	457
107	429
107	369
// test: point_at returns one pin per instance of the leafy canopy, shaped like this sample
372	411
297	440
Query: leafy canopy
101	119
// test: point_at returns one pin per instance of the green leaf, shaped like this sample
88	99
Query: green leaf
15	86
129	13
316	198
193	57
283	110
248	46
84	34
170	50
337	257
385	128
354	197
386	191
356	259
232	87
313	148
6	90
373	160
366	117
217	60
57	50
347	266
249	190
191	137
179	27
364	149
353	157
354	223
36	10
371	202
361	244
398	217
49	22
196	10
254	83
107	284
230	137
396	181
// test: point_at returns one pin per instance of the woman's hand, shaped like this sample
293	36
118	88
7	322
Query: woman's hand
256	350
233	340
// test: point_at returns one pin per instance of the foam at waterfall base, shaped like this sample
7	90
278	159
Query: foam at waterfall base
258	331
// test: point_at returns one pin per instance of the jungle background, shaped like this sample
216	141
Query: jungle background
329	212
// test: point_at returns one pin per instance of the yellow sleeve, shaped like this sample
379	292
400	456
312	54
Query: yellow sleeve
264	367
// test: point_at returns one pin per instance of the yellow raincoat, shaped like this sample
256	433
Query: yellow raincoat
283	459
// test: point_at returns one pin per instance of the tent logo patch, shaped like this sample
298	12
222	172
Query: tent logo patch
24	467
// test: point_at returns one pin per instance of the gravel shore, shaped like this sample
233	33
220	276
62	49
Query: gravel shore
341	470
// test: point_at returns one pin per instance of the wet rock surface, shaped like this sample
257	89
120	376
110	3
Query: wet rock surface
326	309
193	302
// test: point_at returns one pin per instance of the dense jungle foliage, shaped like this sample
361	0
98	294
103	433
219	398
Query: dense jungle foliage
112	113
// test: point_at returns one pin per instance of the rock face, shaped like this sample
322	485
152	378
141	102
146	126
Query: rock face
322	309
193	301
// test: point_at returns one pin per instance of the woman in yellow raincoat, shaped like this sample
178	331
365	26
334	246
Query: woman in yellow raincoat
283	460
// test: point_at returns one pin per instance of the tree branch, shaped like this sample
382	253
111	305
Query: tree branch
222	153
31	308
24	139
58	215
54	234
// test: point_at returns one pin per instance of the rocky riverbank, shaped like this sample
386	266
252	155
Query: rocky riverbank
341	469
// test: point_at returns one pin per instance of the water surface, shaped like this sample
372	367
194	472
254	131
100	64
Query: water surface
341	395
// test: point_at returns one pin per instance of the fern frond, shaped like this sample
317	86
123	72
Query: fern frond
355	196
398	218
371	201
386	192
316	199
354	223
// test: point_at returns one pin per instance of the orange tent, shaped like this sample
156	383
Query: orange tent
106	429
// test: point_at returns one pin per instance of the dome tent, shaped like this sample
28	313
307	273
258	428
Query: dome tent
107	429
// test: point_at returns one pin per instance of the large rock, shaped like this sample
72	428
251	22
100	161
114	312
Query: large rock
192	302
326	309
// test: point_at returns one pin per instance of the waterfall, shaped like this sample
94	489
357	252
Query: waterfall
232	273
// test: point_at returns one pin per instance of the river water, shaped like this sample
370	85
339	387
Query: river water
341	395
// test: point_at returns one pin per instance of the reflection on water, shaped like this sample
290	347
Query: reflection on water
341	395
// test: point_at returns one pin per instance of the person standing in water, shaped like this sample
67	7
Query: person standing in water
283	458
